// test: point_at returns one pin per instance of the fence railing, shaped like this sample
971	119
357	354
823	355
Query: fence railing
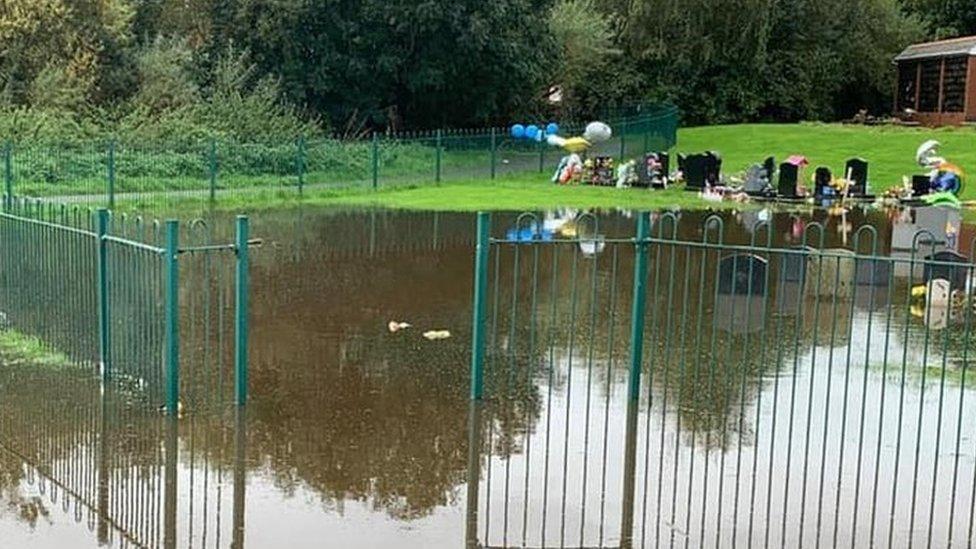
129	301
106	172
656	390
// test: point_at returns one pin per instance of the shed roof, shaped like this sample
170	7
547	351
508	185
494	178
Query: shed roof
965	45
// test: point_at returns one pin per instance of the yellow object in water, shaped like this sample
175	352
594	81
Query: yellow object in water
919	291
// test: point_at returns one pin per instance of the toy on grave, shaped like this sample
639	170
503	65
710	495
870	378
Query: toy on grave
758	181
653	171
598	171
945	178
570	169
627	174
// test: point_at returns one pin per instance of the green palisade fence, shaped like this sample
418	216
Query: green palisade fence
148	174
719	389
129	300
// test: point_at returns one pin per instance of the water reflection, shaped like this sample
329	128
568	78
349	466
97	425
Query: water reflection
769	380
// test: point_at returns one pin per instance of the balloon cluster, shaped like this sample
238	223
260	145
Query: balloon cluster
533	132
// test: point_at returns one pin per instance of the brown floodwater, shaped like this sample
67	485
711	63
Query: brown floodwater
769	413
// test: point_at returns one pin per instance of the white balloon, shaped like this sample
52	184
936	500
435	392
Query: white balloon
597	132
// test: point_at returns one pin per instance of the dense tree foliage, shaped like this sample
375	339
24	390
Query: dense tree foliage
162	68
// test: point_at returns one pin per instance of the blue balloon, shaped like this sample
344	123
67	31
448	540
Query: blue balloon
552	128
531	131
518	131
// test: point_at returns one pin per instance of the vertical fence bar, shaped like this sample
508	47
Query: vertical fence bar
104	325
478	320
633	386
8	176
171	269
494	153
437	157
376	160
241	312
623	139
212	161
542	156
111	174
300	164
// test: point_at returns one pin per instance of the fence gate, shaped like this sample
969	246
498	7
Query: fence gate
667	390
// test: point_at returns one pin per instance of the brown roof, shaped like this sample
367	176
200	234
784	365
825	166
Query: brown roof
965	45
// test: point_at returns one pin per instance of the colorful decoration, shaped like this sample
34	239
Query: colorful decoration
944	177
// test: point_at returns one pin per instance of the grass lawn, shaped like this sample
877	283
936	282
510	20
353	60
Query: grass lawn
890	150
531	192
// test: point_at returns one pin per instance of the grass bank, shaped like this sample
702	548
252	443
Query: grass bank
17	348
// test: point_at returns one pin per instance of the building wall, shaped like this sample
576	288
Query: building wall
971	90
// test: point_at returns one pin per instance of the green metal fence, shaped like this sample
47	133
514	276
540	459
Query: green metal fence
727	389
148	174
163	317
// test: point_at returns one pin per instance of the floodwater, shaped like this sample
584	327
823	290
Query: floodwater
781	402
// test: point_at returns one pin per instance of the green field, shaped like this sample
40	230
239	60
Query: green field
890	150
407	175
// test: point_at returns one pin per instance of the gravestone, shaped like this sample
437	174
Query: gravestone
788	177
694	169
713	168
821	183
653	170
955	275
921	185
740	314
769	166
871	279
857	171
756	183
742	274
831	275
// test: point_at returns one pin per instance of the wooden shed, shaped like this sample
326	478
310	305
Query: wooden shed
937	80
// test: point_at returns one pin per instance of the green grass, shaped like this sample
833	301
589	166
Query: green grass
18	348
511	193
890	150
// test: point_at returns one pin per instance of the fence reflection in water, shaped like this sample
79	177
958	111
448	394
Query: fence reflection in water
786	396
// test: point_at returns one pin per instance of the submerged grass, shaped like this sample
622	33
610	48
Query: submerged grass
17	348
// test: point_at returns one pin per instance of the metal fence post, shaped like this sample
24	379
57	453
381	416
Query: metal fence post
213	168
493	153
300	163
638	304
437	158
478	314
111	174
104	325
376	160
172	317
633	389
8	176
241	312
542	156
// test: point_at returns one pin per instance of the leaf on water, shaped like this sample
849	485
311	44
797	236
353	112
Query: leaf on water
434	335
395	326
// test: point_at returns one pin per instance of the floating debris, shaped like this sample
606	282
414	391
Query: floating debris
395	326
434	335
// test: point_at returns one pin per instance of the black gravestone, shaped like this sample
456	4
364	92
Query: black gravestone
921	185
955	275
788	176
713	168
821	183
769	166
742	274
857	171
694	169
